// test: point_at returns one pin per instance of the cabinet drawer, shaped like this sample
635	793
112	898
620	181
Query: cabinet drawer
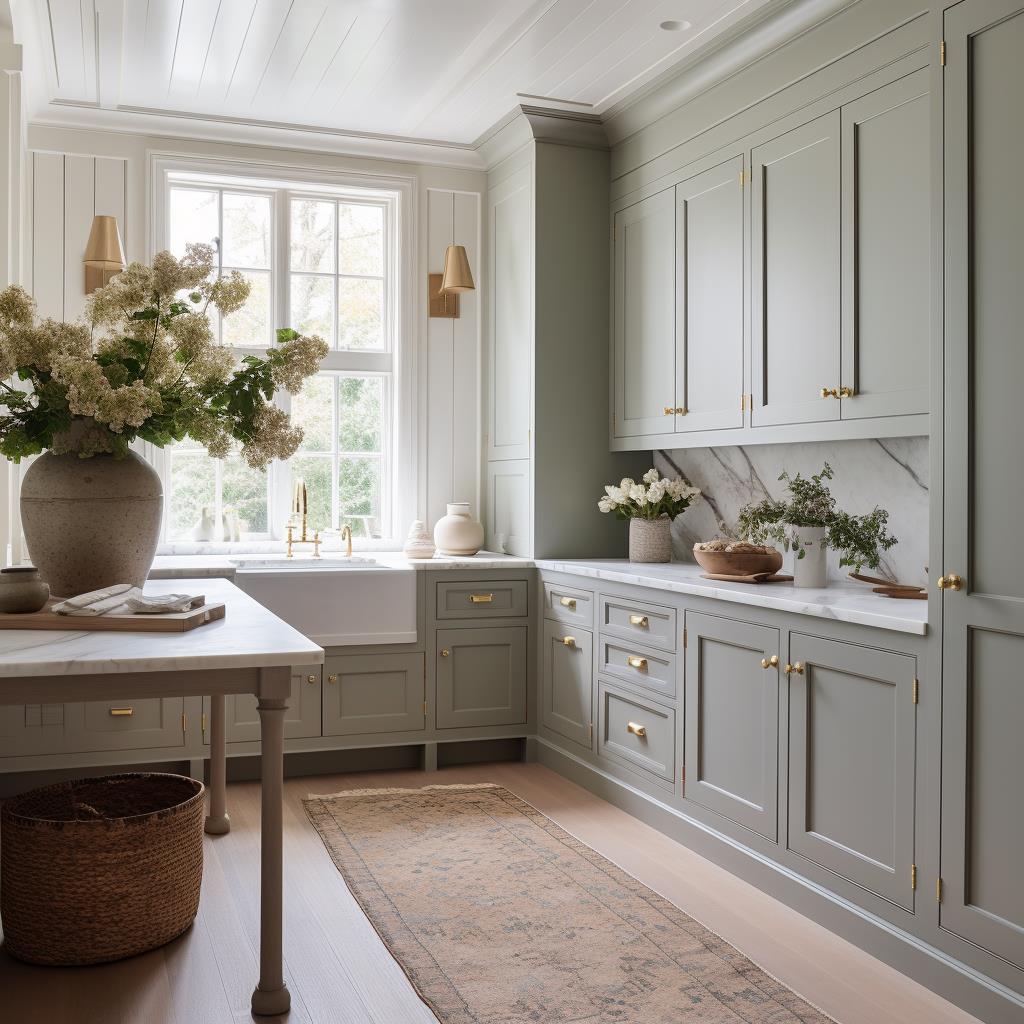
124	724
481	677
635	620
566	604
374	693
494	599
639	666
637	732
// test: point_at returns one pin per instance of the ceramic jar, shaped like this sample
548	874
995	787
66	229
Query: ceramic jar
812	569
458	533
418	544
650	540
22	590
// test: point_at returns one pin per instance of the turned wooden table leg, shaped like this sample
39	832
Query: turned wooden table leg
217	822
271	995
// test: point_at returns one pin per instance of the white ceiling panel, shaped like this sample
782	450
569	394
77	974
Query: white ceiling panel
444	70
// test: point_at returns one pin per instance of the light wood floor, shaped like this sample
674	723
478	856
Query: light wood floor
340	973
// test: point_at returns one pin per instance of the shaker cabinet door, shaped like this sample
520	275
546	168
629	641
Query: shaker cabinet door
795	278
368	694
481	677
567	700
644	347
301	719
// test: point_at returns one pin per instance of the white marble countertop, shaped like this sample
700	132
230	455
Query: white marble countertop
843	602
248	636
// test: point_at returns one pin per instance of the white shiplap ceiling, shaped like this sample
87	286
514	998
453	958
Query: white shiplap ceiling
444	70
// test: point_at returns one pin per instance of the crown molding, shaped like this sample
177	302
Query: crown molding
525	124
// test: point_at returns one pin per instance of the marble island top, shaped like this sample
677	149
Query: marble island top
843	602
248	636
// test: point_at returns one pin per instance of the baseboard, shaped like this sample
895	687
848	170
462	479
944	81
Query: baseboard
929	966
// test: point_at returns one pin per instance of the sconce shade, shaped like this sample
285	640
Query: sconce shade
457	275
104	250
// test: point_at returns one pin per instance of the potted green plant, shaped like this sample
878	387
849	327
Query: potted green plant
649	505
807	521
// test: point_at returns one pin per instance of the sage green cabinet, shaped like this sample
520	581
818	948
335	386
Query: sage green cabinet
852	742
124	724
31	729
732	720
983	491
367	694
481	677
567	683
302	718
636	732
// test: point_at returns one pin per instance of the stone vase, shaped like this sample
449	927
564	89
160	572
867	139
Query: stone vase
93	522
458	533
812	569
650	540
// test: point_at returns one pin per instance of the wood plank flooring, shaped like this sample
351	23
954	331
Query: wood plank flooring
339	972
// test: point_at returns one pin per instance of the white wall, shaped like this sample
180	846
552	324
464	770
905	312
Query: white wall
73	174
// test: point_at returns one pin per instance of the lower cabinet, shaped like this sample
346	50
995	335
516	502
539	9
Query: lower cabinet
732	720
852	741
374	693
302	719
567	695
636	732
481	677
124	725
31	729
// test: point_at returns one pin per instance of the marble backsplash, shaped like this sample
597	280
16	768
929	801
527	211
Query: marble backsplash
891	473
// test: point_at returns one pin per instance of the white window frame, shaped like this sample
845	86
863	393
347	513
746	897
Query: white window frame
285	181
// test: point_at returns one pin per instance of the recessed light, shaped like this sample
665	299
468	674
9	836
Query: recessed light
674	26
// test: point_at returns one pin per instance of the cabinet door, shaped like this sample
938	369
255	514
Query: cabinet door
302	719
644	317
732	720
886	250
374	693
983	623
851	762
481	677
567	702
795	274
709	298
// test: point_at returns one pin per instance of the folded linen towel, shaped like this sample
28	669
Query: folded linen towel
124	598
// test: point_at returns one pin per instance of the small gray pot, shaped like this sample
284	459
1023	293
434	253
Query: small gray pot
650	540
21	590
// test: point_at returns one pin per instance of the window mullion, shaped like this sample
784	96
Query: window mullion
335	462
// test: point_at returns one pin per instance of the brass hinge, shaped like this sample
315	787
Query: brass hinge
942	53
915	693
913	876
682	774
741	179
938	890
202	725
424	708
743	403
184	721
590	732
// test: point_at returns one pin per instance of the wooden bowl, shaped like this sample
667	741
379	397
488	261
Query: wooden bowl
738	563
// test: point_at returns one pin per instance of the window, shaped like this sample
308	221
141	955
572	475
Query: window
321	260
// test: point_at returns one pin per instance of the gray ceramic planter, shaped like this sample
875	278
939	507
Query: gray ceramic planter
92	522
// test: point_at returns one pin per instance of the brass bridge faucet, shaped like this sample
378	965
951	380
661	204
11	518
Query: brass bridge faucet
346	536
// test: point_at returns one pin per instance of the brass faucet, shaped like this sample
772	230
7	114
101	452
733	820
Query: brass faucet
292	541
346	536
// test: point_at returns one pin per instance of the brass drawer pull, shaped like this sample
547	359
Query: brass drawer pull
569	641
445	652
568	602
637	729
311	679
122	712
798	668
772	662
637	662
332	678
640	621
481	598
846	392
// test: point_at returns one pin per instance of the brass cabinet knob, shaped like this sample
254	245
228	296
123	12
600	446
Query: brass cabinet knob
636	729
845	392
310	679
798	668
332	678
680	410
445	652
568	602
635	661
788	669
951	582
569	641
829	393
772	662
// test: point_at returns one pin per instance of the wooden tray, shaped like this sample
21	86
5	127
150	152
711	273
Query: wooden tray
165	622
757	577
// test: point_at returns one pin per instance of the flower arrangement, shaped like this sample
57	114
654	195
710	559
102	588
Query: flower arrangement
145	364
652	497
809	504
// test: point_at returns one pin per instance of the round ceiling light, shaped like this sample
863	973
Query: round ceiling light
674	26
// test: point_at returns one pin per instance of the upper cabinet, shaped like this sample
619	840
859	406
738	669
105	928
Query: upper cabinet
795	302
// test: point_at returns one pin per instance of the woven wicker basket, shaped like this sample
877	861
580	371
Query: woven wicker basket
100	869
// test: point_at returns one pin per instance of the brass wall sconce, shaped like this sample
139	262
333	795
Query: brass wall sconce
443	289
104	253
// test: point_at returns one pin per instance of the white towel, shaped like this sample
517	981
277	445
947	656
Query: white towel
123	598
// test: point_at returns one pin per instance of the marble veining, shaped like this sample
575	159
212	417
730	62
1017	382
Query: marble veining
891	472
843	602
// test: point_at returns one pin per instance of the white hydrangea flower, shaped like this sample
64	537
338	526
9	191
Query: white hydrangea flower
656	491
626	485
650	476
638	493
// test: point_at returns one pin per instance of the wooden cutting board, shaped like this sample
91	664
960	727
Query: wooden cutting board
166	622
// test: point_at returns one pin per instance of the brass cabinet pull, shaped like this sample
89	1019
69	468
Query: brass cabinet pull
568	602
332	678
481	598
639	620
122	712
669	410
569	641
310	679
829	393
635	661
772	662
951	582
680	410
845	392
636	729
445	652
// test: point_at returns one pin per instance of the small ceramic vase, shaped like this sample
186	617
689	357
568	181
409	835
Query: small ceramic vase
21	590
812	569
418	544
458	533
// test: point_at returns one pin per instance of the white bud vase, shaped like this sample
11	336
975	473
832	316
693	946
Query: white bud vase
812	569
458	533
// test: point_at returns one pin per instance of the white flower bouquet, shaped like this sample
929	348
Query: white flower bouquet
652	497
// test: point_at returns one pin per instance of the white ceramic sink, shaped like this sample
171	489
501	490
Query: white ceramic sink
336	602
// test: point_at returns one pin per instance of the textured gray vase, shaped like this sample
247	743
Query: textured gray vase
650	540
92	522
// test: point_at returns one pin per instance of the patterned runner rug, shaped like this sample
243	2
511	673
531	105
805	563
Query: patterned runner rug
498	916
